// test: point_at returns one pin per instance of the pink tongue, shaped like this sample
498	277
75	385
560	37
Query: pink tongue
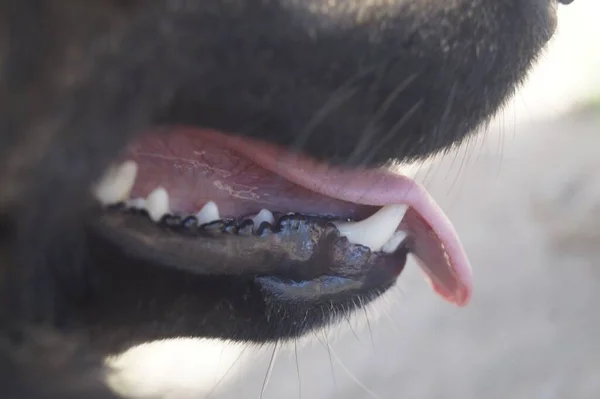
435	243
437	247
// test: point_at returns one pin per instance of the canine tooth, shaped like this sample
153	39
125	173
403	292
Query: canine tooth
394	242
263	216
208	213
116	184
377	229
157	203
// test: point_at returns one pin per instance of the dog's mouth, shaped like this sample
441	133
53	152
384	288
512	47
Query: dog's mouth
211	203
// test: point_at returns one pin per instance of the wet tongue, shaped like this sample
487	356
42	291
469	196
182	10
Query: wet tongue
434	241
448	272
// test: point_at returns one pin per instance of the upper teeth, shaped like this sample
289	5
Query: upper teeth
116	184
375	231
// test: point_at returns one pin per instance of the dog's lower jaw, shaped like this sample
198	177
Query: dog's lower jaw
173	303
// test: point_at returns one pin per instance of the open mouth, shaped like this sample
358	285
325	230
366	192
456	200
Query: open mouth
212	203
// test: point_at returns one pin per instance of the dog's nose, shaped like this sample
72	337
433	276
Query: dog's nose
566	1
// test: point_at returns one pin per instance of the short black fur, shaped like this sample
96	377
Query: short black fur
355	83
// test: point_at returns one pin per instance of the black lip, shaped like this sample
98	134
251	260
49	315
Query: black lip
304	255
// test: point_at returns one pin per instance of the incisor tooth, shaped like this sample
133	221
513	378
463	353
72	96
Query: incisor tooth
377	229
157	203
263	216
208	213
116	184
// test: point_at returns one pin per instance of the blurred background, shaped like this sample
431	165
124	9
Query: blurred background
525	198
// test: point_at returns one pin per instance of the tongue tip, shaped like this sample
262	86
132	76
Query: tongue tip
460	297
454	284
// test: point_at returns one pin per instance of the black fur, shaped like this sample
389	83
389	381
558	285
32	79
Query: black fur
355	83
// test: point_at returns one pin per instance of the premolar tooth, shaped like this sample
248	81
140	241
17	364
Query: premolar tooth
115	186
157	203
377	229
394	242
263	216
208	213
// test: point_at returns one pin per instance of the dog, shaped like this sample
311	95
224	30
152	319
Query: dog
222	168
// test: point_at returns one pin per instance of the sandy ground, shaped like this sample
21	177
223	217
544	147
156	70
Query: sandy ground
525	199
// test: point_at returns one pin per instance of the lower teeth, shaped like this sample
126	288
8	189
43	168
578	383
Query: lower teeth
377	232
244	226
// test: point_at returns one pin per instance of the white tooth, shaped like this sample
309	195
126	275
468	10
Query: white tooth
394	242
116	184
263	216
137	203
208	213
157	203
377	229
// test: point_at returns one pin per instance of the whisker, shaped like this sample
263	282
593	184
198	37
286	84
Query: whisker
298	369
218	383
325	343
370	130
393	131
354	378
464	160
340	96
269	370
347	317
364	308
